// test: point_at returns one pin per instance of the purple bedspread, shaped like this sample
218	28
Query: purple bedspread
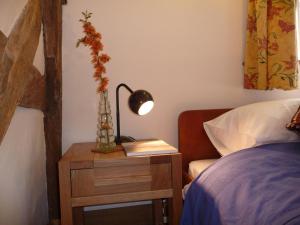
257	186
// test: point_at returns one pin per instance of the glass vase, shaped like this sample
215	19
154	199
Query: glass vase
105	141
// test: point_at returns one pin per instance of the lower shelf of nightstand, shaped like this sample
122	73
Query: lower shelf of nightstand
123	197
143	215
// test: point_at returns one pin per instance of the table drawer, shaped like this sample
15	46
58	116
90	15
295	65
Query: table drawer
124	178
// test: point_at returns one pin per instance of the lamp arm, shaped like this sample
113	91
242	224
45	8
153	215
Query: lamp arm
118	140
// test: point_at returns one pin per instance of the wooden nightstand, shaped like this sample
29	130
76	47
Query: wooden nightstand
87	178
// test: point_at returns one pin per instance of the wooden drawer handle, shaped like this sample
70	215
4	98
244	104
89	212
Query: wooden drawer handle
122	180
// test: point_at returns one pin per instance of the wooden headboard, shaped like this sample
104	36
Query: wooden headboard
193	141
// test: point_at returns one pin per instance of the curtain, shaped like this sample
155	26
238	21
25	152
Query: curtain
271	59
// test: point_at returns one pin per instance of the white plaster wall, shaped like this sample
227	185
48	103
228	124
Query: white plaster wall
23	191
187	53
9	11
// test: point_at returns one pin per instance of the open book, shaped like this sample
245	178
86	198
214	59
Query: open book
152	147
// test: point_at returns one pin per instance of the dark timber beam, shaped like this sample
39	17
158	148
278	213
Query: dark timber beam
52	25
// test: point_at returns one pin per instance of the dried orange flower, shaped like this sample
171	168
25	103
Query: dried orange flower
93	39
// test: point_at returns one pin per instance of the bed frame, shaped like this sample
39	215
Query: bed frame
194	144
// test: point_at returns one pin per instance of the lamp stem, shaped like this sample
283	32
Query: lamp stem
118	139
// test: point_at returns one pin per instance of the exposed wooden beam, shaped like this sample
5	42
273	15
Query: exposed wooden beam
34	95
52	25
16	61
3	41
35	92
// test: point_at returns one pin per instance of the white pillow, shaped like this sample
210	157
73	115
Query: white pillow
252	125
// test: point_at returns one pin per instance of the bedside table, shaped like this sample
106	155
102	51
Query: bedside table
87	178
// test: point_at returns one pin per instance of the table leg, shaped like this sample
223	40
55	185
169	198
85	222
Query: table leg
175	203
65	193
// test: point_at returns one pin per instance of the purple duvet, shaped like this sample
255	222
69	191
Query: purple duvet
257	186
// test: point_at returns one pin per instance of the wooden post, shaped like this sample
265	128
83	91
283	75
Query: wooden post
175	203
52	25
65	193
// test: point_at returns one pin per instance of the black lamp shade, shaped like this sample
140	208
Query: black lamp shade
140	102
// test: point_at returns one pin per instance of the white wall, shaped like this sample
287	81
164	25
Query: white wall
23	191
187	53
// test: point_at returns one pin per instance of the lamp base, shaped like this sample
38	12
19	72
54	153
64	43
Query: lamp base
118	147
124	139
115	149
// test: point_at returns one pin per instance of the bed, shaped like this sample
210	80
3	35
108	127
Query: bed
256	185
193	141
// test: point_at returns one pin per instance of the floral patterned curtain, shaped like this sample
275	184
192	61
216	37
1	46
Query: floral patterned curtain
271	46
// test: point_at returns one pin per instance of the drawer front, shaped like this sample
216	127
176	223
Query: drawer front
121	178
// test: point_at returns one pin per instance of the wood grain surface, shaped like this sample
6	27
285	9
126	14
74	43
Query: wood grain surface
16	61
